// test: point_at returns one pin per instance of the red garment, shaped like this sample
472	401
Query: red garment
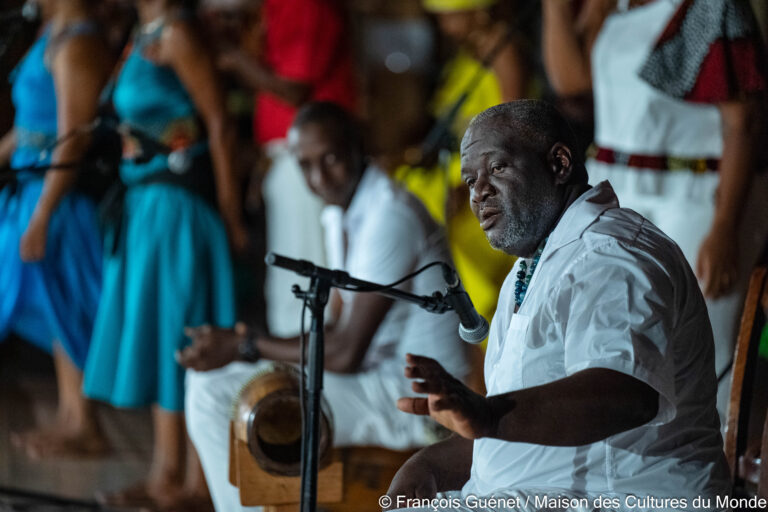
305	41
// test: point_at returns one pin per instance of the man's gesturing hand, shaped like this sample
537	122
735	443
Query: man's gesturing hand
448	401
212	347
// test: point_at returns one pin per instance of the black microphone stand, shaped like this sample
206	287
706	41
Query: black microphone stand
316	297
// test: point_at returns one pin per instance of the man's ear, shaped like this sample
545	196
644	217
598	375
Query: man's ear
561	162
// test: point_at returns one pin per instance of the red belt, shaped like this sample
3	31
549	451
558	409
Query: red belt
656	163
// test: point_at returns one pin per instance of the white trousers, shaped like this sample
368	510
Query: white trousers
362	406
682	205
293	229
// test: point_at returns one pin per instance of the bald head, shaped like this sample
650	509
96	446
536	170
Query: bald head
520	164
534	124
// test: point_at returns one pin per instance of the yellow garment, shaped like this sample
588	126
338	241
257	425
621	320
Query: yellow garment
481	268
455	5
457	75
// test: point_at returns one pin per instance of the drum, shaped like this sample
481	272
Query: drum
267	416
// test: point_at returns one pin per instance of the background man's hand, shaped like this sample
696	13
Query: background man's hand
212	347
449	401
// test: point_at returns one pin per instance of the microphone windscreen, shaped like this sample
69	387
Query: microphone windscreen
477	334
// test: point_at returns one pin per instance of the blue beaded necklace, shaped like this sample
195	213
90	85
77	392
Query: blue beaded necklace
524	275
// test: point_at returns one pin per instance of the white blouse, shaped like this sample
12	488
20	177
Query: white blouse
630	115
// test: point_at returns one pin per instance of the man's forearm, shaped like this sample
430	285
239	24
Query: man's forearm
581	409
336	358
279	349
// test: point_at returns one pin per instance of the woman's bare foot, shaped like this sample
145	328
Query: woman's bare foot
75	432
188	502
61	441
161	496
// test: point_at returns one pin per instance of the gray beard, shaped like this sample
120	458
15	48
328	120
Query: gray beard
525	228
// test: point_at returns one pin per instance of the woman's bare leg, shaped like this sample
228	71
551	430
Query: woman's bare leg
164	486
197	498
75	432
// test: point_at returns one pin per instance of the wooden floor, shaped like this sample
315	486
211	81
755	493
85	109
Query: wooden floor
28	398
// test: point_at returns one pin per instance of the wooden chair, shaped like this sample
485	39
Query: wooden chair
743	448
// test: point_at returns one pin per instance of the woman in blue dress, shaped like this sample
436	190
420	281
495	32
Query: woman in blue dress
50	248
167	259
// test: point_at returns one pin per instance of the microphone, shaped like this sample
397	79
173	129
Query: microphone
473	328
179	160
301	267
308	269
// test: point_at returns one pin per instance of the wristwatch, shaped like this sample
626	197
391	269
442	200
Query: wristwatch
247	348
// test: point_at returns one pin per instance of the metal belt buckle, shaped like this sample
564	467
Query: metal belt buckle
699	165
678	164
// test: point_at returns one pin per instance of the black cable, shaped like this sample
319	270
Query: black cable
80	130
68	166
392	285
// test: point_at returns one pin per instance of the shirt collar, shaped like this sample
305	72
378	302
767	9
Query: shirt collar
361	202
581	214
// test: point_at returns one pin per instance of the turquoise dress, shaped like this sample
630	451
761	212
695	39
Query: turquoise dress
56	298
172	265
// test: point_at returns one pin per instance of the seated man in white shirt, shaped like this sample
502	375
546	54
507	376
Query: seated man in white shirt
376	232
600	364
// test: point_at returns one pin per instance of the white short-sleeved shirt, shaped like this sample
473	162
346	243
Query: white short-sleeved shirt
390	234
610	291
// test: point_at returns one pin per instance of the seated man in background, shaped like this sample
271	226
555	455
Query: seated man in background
600	362
290	52
376	232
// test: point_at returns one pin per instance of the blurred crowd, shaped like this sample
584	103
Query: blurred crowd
185	109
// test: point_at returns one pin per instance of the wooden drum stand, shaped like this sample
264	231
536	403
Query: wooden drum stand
264	452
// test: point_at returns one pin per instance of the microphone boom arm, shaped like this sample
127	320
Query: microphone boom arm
435	303
316	298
